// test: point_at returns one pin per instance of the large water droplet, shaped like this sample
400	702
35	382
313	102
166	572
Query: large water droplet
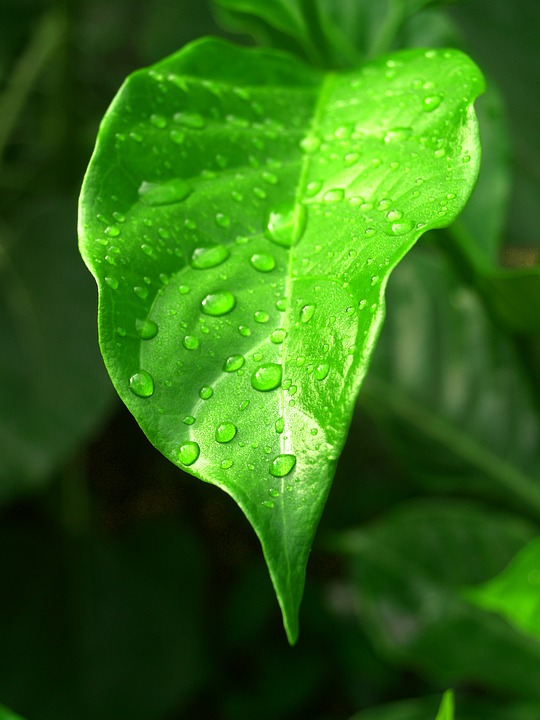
167	193
282	465
189	452
194	121
190	342
266	377
141	384
146	329
285	226
225	432
432	102
278	336
234	363
219	303
263	262
209	257
306	313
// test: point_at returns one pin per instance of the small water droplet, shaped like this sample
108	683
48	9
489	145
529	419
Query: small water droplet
234	363
222	220
189	420
432	102
158	121
190	342
219	303
167	193
278	336
313	188
334	195
112	231
263	262
268	503
397	134
194	121
206	392
285	226
226	464
261	316
177	136
310	144
209	257
146	329
258	356
321	371
112	282
141	384
393	215
183	289
370	232
140	292
351	159
266	377
306	313
280	425
225	432
281	304
244	331
189	452
400	228
270	178
282	465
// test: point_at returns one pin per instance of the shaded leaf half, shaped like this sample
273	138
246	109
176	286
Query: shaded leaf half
241	215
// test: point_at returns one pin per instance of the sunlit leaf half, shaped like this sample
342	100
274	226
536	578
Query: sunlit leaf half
241	215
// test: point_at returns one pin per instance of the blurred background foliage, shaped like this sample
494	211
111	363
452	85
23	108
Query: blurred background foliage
130	590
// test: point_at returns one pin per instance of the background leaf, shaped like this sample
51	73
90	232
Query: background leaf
408	570
210	217
514	593
446	711
441	371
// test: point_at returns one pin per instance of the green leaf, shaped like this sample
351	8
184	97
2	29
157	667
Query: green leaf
408	572
446	711
451	388
241	215
514	593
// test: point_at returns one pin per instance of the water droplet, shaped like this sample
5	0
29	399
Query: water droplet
273	492
393	215
141	384
209	257
400	228
268	503
313	188
225	432
112	282
278	336
261	316
258	356
190	342
432	102
194	121
140	292
280	425
244	331
234	363
310	144
263	262
282	465
222	220
351	159
398	134
158	121
306	313
321	371
112	231
168	193
370	232
334	195
183	289
270	178
189	452
285	226
146	329
177	136
219	303
189	420
281	304
206	392
226	464
266	377
121	331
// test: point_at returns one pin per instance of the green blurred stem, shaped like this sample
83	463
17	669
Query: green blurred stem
383	40
318	49
27	70
378	395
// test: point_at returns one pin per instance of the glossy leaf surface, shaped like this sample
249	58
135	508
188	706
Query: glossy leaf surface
441	372
515	593
241	215
446	711
409	569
